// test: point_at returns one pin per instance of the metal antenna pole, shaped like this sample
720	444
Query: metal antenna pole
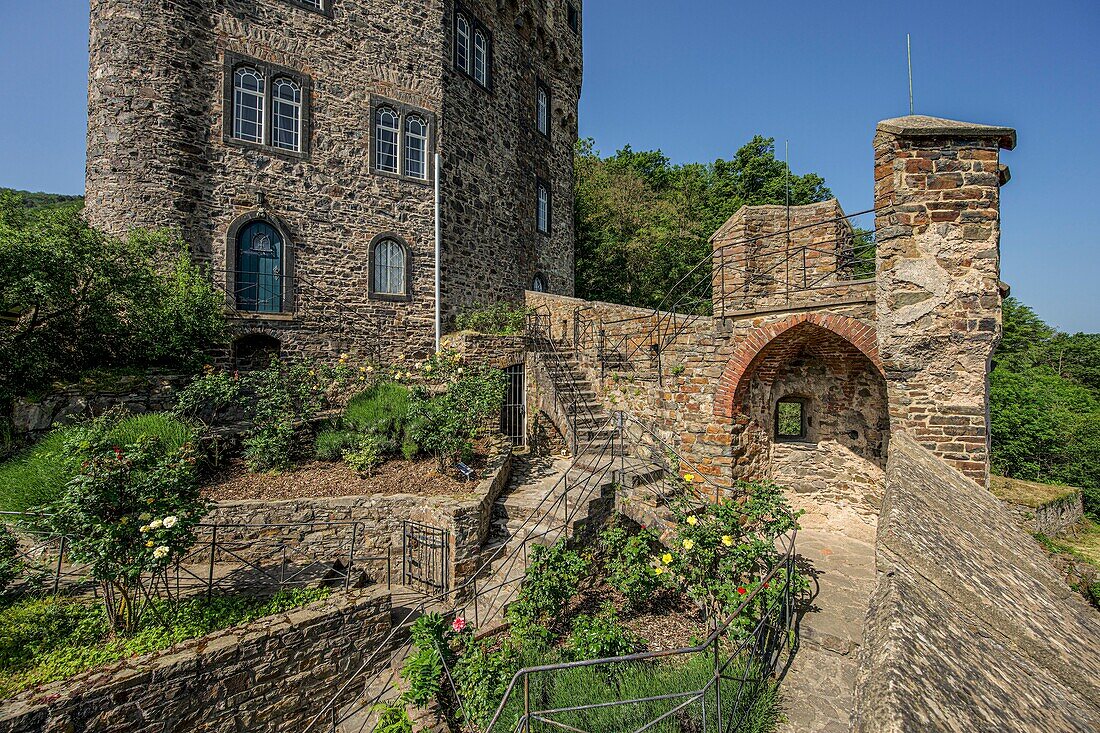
909	54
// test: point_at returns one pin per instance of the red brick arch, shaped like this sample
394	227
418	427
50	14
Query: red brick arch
747	353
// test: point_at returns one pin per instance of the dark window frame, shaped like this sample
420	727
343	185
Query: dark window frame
475	26
573	17
372	293
271	72
325	9
537	277
804	414
541	86
542	183
403	111
287	261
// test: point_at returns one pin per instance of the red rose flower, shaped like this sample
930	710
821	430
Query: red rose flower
741	590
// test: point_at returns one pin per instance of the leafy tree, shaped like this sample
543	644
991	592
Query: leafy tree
643	223
75	299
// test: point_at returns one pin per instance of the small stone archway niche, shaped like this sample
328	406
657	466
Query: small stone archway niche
814	406
255	351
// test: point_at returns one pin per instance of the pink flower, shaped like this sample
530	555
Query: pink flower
458	625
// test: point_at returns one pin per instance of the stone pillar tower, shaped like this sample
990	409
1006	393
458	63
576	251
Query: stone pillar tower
937	191
146	120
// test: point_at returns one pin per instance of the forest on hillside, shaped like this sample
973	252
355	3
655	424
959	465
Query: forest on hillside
643	222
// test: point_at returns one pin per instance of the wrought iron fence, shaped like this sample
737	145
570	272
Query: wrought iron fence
225	557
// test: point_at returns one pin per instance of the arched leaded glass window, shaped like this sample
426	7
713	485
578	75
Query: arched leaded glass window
416	147
542	110
259	275
387	134
543	217
539	284
462	43
286	114
389	272
481	58
248	104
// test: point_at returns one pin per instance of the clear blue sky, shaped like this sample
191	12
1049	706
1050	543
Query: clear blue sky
697	78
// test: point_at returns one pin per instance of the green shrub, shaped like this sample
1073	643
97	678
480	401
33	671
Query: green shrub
629	563
481	676
38	476
47	640
366	456
382	412
551	580
600	636
446	425
392	719
10	565
423	669
331	444
505	319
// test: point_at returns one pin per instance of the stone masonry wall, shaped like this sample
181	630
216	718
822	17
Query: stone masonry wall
937	191
970	627
466	518
137	395
158	154
270	676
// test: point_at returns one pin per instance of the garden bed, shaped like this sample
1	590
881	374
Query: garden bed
322	479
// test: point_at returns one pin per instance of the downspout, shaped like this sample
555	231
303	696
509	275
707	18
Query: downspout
438	248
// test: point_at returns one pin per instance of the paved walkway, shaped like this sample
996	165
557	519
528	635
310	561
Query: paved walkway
836	547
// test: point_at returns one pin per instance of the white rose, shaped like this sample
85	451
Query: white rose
161	552
170	522
156	524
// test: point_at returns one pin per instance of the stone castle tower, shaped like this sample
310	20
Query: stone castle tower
292	144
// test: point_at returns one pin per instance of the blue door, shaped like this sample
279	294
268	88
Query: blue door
259	269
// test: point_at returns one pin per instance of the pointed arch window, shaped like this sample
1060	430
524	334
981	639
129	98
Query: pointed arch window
542	109
416	147
266	105
259	273
387	134
248	104
286	114
481	58
462	43
389	268
473	44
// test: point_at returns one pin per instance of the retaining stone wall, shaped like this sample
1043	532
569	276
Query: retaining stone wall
75	402
270	676
467	519
970	627
1053	519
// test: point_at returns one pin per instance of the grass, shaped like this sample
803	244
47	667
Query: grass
1028	493
759	711
1084	546
37	476
46	640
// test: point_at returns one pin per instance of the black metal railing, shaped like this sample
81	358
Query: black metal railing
225	557
491	587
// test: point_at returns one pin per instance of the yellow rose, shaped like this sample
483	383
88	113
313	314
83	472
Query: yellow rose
666	558
688	544
659	570
689	477
693	521
149	543
727	540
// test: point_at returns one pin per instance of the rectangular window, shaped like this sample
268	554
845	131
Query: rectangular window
574	16
542	218
473	44
542	109
790	419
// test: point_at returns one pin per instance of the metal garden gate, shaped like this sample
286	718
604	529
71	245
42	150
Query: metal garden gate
513	416
426	553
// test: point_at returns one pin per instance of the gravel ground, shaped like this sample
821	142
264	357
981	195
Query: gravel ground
318	479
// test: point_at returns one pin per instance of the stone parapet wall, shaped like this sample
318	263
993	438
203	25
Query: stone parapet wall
269	676
75	402
970	628
466	518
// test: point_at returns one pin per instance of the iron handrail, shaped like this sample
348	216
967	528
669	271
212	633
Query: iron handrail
406	622
785	564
